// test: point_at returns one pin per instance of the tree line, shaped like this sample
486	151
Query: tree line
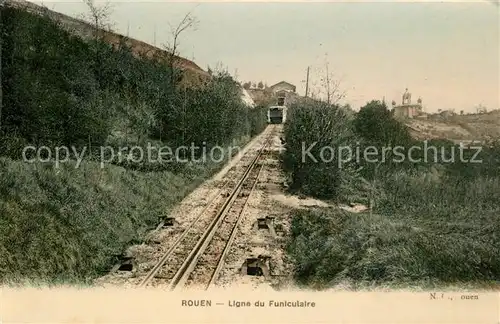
61	90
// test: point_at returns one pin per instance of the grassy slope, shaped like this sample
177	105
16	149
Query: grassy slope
66	225
418	237
465	127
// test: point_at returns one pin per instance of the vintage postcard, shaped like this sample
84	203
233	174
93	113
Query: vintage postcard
249	161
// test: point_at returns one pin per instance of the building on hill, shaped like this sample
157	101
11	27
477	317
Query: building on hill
283	85
407	109
280	94
285	97
194	74
481	109
284	93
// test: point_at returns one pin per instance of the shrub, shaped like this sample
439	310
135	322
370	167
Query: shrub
431	224
213	114
50	92
320	125
57	94
375	124
258	119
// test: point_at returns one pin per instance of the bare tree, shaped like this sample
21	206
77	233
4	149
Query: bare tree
188	22
331	86
172	46
327	88
99	16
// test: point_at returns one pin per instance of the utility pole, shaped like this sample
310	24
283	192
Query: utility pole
154	37
128	28
307	82
328	93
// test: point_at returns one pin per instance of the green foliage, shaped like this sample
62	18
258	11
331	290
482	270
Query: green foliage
377	129
432	223
62	90
374	124
213	114
258	119
50	92
66	224
317	124
427	247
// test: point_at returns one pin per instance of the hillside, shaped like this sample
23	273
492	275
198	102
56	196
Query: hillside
86	31
68	222
473	127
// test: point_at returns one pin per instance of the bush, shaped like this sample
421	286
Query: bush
317	124
431	224
258	119
375	127
58	91
375	124
50	92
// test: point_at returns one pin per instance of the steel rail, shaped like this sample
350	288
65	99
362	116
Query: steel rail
229	242
189	264
158	266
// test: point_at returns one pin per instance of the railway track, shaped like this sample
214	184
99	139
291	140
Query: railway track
197	256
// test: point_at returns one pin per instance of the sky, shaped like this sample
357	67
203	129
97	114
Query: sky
447	53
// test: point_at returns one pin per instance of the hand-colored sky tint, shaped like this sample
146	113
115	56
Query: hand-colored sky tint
446	53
